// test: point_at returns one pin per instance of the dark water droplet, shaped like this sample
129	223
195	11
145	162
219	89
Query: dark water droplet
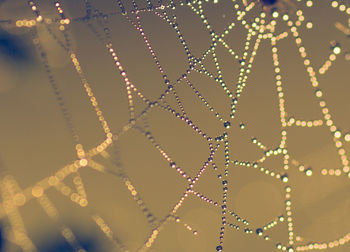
259	231
219	248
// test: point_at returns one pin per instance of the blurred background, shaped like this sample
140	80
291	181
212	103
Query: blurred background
46	116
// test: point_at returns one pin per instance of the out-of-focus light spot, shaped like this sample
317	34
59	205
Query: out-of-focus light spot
37	191
347	137
347	56
83	162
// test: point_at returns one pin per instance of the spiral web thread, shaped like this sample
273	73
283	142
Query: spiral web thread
259	29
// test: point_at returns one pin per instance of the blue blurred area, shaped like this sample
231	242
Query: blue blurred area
58	244
90	244
269	2
1	240
13	48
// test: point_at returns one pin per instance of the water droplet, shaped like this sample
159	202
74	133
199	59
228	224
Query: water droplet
308	172
274	13
259	231
347	137
219	248
227	124
335	46
284	178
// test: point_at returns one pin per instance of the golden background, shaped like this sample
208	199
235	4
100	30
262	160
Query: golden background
36	142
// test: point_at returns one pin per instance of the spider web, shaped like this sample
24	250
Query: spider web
186	147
